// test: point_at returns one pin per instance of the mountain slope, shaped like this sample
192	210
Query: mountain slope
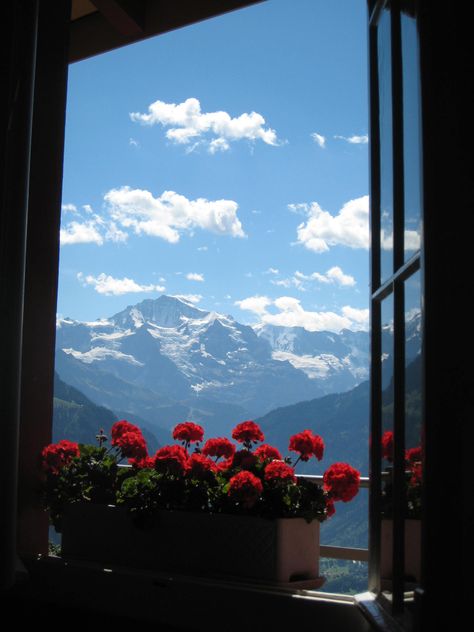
78	419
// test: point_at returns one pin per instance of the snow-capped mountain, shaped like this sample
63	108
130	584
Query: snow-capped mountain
168	354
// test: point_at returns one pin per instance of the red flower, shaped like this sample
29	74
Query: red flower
267	452
57	455
148	462
244	459
279	471
342	481
416	475
200	467
223	466
188	432
245	488
330	508
120	427
220	447
318	447
307	444
413	455
246	432
132	445
387	445
171	459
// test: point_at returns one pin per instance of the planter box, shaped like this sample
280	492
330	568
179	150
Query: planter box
283	550
412	563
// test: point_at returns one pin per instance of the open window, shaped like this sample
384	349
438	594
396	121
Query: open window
406	279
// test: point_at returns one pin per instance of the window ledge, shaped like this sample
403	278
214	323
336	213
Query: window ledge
182	601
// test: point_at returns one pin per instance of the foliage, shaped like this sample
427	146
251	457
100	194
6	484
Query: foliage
248	481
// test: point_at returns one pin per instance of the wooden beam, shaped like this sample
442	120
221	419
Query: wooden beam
125	17
94	34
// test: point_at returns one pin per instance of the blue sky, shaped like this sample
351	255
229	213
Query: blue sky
226	162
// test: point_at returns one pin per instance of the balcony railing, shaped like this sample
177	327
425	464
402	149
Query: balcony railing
340	552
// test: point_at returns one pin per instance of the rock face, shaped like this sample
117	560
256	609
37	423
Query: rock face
165	358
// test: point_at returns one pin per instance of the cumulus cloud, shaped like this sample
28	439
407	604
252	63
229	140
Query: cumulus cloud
69	208
334	275
256	304
355	140
109	286
187	123
288	312
319	139
195	276
170	214
87	232
350	227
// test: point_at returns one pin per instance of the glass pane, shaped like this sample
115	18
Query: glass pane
411	135
385	130
387	441
413	413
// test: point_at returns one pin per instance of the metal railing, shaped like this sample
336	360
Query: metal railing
340	552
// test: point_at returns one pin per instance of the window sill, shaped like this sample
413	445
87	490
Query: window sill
184	602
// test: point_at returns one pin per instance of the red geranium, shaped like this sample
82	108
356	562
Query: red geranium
56	455
247	432
120	427
413	455
188	432
342	481
219	447
200	467
267	452
330	508
147	462
387	445
244	459
245	488
279	470
171	459
307	444
223	466
132	445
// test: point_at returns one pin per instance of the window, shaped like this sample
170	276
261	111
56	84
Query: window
396	405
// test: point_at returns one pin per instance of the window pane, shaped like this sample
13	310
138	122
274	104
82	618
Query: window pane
411	135
385	131
413	412
387	348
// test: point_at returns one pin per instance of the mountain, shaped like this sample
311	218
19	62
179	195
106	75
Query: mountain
77	418
337	361
342	419
164	359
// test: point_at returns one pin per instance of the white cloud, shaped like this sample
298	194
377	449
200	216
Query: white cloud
189	298
355	140
109	286
186	123
203	248
256	304
195	276
350	227
334	276
358	316
337	276
81	233
133	143
319	139
290	313
69	208
272	271
412	240
170	214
